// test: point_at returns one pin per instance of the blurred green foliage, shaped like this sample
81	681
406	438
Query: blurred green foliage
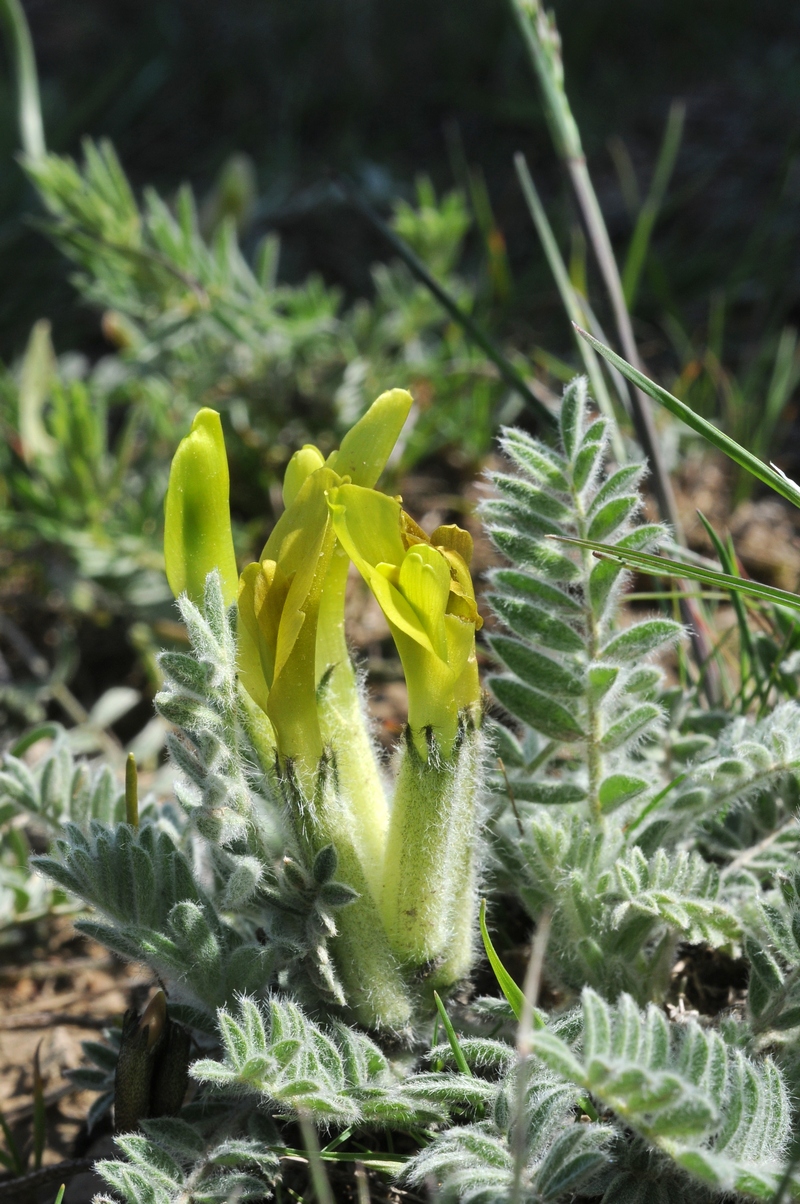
205	297
283	361
369	87
86	447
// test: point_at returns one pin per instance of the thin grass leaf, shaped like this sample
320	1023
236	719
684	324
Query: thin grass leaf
39	1113
740	455
728	562
464	320
659	566
458	1053
29	107
648	214
13	1158
569	297
319	1177
506	983
785	375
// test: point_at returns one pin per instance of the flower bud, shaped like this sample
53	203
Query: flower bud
197	527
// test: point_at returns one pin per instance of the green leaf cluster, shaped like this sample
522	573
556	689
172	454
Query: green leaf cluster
574	679
338	1077
173	1161
183	302
714	1112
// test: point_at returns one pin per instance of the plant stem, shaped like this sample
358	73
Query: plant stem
640	409
569	298
593	734
533	977
544	45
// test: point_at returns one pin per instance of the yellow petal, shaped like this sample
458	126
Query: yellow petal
248	640
367	524
372	522
298	541
247	606
270	590
454	539
367	446
415	584
462	592
292	707
430	684
305	461
460	643
425	584
390	571
467	688
400	615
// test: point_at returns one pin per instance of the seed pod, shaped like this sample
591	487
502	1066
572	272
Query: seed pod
142	1037
171	1071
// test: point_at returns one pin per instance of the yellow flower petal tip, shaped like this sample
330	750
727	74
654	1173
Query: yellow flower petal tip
302	464
367	446
197	523
454	539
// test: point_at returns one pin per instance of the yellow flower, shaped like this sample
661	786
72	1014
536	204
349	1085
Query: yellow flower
291	602
424	589
197	522
279	599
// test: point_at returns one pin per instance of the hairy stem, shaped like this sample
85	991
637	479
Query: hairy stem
594	761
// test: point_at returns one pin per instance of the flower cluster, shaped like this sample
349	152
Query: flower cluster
409	855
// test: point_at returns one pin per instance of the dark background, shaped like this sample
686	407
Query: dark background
309	88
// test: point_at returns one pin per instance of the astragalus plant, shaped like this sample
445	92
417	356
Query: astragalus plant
301	902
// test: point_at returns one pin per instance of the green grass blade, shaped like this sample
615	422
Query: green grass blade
745	459
380	1161
785	375
648	215
39	1113
20	51
458	1053
787	1180
728	562
319	1176
655	802
337	1141
8	1162
389	1163
659	566
13	1159
569	298
506	983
